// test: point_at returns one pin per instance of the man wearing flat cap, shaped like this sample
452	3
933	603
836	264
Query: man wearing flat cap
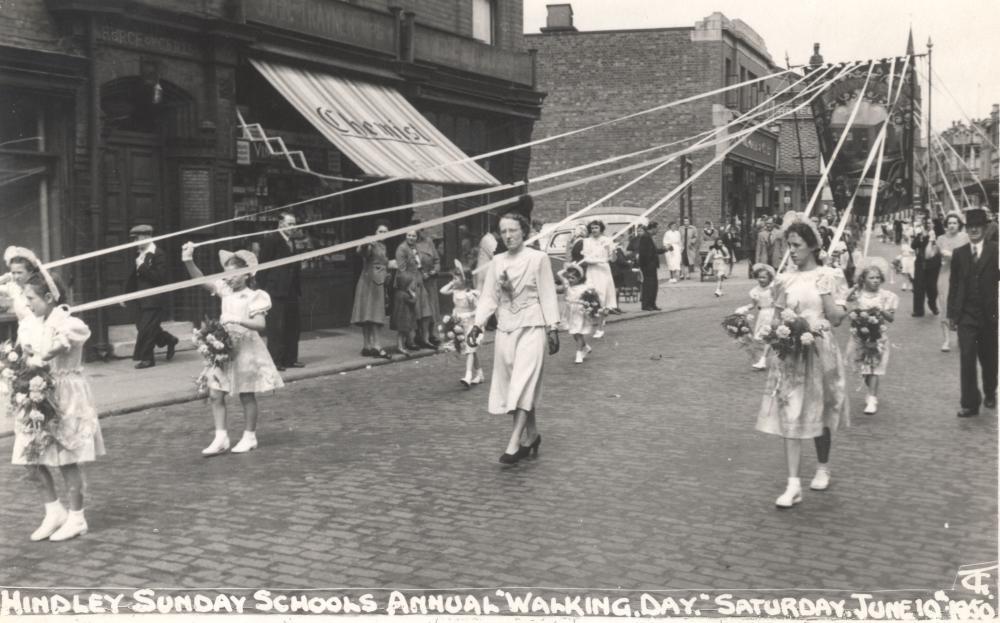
972	311
150	271
283	285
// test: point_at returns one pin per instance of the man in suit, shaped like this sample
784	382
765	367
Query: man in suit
150	271
764	243
926	268
972	311
649	263
283	285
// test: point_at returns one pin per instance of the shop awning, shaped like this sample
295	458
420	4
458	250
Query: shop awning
374	126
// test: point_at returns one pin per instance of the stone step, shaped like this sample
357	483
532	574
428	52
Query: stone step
122	336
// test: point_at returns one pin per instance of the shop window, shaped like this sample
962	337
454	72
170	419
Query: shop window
743	90
484	21
24	173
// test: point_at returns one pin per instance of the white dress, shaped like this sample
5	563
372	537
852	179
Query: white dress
763	299
578	322
251	369
77	436
465	312
672	240
521	290
597	255
808	393
886	301
25	319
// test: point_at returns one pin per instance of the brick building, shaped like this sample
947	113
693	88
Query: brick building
591	77
973	179
115	113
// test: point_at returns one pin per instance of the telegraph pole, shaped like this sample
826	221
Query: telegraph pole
798	139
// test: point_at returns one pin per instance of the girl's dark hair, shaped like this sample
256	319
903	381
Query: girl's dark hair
37	283
239	263
808	236
596	222
578	269
671	223
957	218
28	264
521	220
380	222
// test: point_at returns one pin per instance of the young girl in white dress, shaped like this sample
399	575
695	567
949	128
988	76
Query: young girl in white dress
22	265
762	302
579	324
718	259
57	339
597	250
867	294
250	369
464	310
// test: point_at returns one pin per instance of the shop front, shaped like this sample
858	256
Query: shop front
748	177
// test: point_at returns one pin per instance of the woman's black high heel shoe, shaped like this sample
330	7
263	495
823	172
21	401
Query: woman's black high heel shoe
510	459
533	448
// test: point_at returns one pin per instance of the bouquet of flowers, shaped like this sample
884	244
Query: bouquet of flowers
792	336
215	345
868	330
738	326
32	397
591	303
451	328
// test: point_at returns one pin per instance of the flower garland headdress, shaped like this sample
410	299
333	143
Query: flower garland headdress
21	252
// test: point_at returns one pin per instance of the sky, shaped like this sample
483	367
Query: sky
965	34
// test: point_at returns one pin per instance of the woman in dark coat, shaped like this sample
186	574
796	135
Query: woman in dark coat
369	296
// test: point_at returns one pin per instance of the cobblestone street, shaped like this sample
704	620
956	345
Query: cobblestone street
650	477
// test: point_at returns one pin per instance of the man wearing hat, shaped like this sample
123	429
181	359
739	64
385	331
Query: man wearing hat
283	285
150	271
972	311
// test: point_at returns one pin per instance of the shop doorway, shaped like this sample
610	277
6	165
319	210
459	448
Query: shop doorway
132	196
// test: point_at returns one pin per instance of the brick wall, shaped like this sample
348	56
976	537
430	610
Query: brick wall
455	16
28	24
594	77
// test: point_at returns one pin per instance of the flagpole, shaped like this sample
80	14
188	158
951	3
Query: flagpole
930	95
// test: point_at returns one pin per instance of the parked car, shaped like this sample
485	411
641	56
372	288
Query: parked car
554	239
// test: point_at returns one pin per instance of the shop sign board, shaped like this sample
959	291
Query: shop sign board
758	148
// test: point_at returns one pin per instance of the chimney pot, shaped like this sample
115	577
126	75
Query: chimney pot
559	18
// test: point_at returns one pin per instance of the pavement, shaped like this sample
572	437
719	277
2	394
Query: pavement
650	482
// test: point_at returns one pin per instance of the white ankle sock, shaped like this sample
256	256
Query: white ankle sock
53	507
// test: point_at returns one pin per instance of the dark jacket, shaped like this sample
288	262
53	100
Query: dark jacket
150	274
649	254
983	273
283	282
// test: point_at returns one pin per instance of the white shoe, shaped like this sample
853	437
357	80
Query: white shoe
946	347
598	334
672	280
55	517
75	526
478	379
579	357
218	446
466	380
871	405
792	494
761	364
718	293
247	443
821	481
905	288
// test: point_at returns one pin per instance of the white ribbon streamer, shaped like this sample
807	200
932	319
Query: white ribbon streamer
135	243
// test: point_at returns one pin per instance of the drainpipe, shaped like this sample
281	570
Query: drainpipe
101	346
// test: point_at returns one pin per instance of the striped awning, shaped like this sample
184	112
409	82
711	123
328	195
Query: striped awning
374	126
